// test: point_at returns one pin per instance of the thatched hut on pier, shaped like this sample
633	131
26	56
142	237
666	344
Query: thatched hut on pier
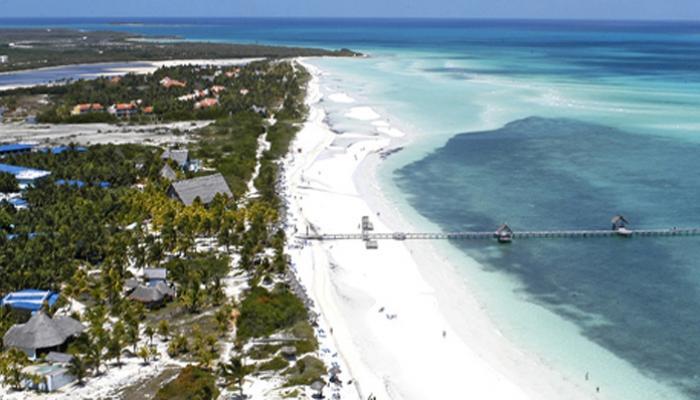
504	234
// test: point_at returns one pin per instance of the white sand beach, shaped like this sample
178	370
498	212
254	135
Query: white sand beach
406	325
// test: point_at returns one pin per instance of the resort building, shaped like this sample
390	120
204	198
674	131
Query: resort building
217	89
122	110
30	300
233	73
155	275
26	177
19	203
168	173
204	188
261	110
4	59
168	83
63	149
206	103
42	334
181	157
153	296
86	108
15	148
51	377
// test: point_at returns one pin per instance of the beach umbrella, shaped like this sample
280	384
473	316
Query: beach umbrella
318	386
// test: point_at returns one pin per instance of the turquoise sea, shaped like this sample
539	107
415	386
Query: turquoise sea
543	125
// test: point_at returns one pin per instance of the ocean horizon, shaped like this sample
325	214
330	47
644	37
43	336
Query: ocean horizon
541	124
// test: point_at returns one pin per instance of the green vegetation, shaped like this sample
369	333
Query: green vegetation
8	183
232	144
84	239
68	225
306	340
35	48
261	352
276	364
11	364
191	384
306	371
264	312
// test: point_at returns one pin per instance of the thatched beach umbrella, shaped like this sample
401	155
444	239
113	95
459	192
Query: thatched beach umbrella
318	386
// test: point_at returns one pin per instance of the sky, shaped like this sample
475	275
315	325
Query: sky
565	9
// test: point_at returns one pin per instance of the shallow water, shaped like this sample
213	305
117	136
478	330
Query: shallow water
637	297
70	72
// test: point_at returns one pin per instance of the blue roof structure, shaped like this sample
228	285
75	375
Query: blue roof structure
23	173
105	185
18	202
13	169
29	299
13	236
15	148
70	182
62	149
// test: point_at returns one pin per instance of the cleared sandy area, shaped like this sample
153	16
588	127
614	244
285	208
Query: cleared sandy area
87	134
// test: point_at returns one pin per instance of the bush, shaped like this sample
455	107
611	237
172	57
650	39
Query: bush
264	351
276	364
306	371
178	345
307	342
191	384
263	312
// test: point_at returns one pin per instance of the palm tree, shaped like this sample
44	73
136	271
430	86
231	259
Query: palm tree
234	372
12	362
223	318
117	342
97	317
164	329
144	353
77	368
149	332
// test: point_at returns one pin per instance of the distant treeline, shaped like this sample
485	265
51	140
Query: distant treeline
36	48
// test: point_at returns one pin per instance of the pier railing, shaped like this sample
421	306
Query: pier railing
501	235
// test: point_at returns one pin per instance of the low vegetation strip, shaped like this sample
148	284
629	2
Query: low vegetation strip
37	48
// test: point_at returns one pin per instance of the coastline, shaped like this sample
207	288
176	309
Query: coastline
420	345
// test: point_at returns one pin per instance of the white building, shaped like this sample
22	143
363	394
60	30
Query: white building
4	59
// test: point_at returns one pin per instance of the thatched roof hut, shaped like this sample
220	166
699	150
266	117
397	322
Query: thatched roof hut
504	234
130	284
152	295
181	157
203	187
618	222
42	332
168	173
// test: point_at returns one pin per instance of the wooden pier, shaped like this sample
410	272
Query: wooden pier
503	234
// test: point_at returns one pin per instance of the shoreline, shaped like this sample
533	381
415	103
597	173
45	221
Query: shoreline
428	349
